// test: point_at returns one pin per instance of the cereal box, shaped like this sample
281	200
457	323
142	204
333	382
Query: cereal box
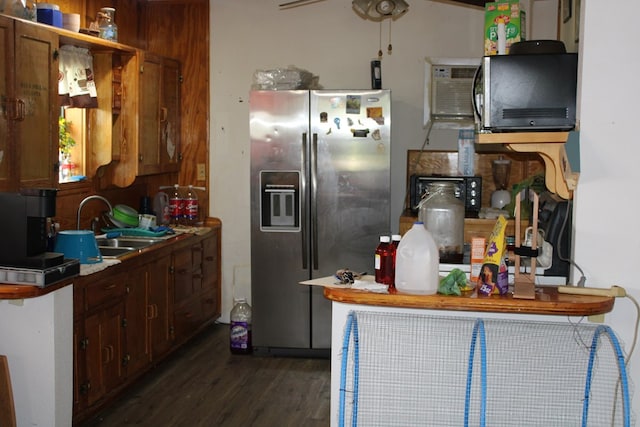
509	13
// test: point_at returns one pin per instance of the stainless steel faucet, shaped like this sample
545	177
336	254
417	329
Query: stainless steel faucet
87	199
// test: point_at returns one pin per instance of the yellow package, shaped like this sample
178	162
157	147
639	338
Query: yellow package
494	277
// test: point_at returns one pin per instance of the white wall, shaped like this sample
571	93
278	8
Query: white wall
328	39
607	244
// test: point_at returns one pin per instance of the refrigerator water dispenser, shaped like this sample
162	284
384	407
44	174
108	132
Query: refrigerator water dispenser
280	201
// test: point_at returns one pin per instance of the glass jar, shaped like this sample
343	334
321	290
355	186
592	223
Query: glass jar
443	215
107	25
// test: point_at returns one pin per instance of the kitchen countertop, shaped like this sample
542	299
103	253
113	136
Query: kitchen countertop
15	292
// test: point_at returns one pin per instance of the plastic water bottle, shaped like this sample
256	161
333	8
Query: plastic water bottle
384	270
191	206
240	330
417	262
176	206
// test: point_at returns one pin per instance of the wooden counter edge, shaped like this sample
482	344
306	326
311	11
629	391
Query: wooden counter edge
548	302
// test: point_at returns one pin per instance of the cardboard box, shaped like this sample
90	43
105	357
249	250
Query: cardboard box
478	245
513	16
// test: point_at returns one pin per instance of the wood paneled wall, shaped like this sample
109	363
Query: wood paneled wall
173	28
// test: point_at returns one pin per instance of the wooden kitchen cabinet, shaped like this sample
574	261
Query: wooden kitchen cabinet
159	306
159	115
211	304
137	346
28	106
187	291
130	316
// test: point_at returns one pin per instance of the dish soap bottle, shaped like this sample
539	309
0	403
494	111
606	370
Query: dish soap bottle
240	330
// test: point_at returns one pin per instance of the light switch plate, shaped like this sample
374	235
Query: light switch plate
202	172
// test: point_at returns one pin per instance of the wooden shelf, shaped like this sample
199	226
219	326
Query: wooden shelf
559	177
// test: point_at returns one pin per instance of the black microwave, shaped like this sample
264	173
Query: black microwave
527	92
469	190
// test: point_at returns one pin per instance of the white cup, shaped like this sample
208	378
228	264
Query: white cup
71	21
147	221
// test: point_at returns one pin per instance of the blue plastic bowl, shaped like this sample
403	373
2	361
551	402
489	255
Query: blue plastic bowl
78	244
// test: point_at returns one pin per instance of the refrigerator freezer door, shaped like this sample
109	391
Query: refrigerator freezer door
278	121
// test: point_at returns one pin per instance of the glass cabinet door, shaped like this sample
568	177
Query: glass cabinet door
36	86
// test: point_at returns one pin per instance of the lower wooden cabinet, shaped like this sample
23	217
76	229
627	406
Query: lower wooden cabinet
131	315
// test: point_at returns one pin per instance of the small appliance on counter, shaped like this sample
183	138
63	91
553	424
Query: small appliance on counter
24	258
469	190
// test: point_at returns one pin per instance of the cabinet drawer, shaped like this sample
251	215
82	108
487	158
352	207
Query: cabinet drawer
105	290
187	320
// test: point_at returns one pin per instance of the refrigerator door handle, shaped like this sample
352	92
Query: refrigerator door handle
303	204
314	200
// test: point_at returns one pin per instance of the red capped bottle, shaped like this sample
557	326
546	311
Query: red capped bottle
384	264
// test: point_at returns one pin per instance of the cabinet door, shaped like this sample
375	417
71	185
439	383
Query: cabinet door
138	352
183	275
7	96
150	88
159	149
210	276
37	88
160	322
79	377
170	116
103	353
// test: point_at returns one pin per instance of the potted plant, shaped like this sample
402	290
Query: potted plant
65	140
65	144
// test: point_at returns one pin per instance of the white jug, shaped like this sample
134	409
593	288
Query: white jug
417	262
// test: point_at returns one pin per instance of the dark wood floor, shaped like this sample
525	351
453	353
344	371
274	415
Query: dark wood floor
203	384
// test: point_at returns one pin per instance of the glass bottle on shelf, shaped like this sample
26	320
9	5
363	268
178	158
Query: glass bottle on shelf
107	25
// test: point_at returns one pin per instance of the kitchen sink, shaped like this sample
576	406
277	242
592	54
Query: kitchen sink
126	242
111	252
120	246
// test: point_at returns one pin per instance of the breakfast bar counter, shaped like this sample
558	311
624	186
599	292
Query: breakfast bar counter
406	341
548	301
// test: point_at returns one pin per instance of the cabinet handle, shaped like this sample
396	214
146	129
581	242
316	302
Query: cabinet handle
163	114
13	109
109	287
152	311
107	354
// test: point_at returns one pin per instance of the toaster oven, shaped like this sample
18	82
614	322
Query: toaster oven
469	191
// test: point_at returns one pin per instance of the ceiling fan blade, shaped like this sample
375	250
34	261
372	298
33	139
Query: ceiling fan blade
294	2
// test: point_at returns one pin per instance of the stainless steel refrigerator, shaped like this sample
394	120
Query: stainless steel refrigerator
320	196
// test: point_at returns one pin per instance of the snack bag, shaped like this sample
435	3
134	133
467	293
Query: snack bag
494	276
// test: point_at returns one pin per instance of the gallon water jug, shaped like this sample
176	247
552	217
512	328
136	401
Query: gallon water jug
417	262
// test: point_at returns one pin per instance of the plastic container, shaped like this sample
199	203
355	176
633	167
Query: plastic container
191	206
50	14
417	262
107	25
78	244
161	208
240	327
384	255
176	206
443	215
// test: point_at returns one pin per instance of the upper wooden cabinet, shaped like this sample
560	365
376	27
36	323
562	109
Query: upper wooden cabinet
159	115
156	147
28	105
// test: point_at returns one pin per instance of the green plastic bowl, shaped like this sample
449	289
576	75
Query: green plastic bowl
126	215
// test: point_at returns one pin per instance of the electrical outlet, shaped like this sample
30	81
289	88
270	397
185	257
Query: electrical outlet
202	172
